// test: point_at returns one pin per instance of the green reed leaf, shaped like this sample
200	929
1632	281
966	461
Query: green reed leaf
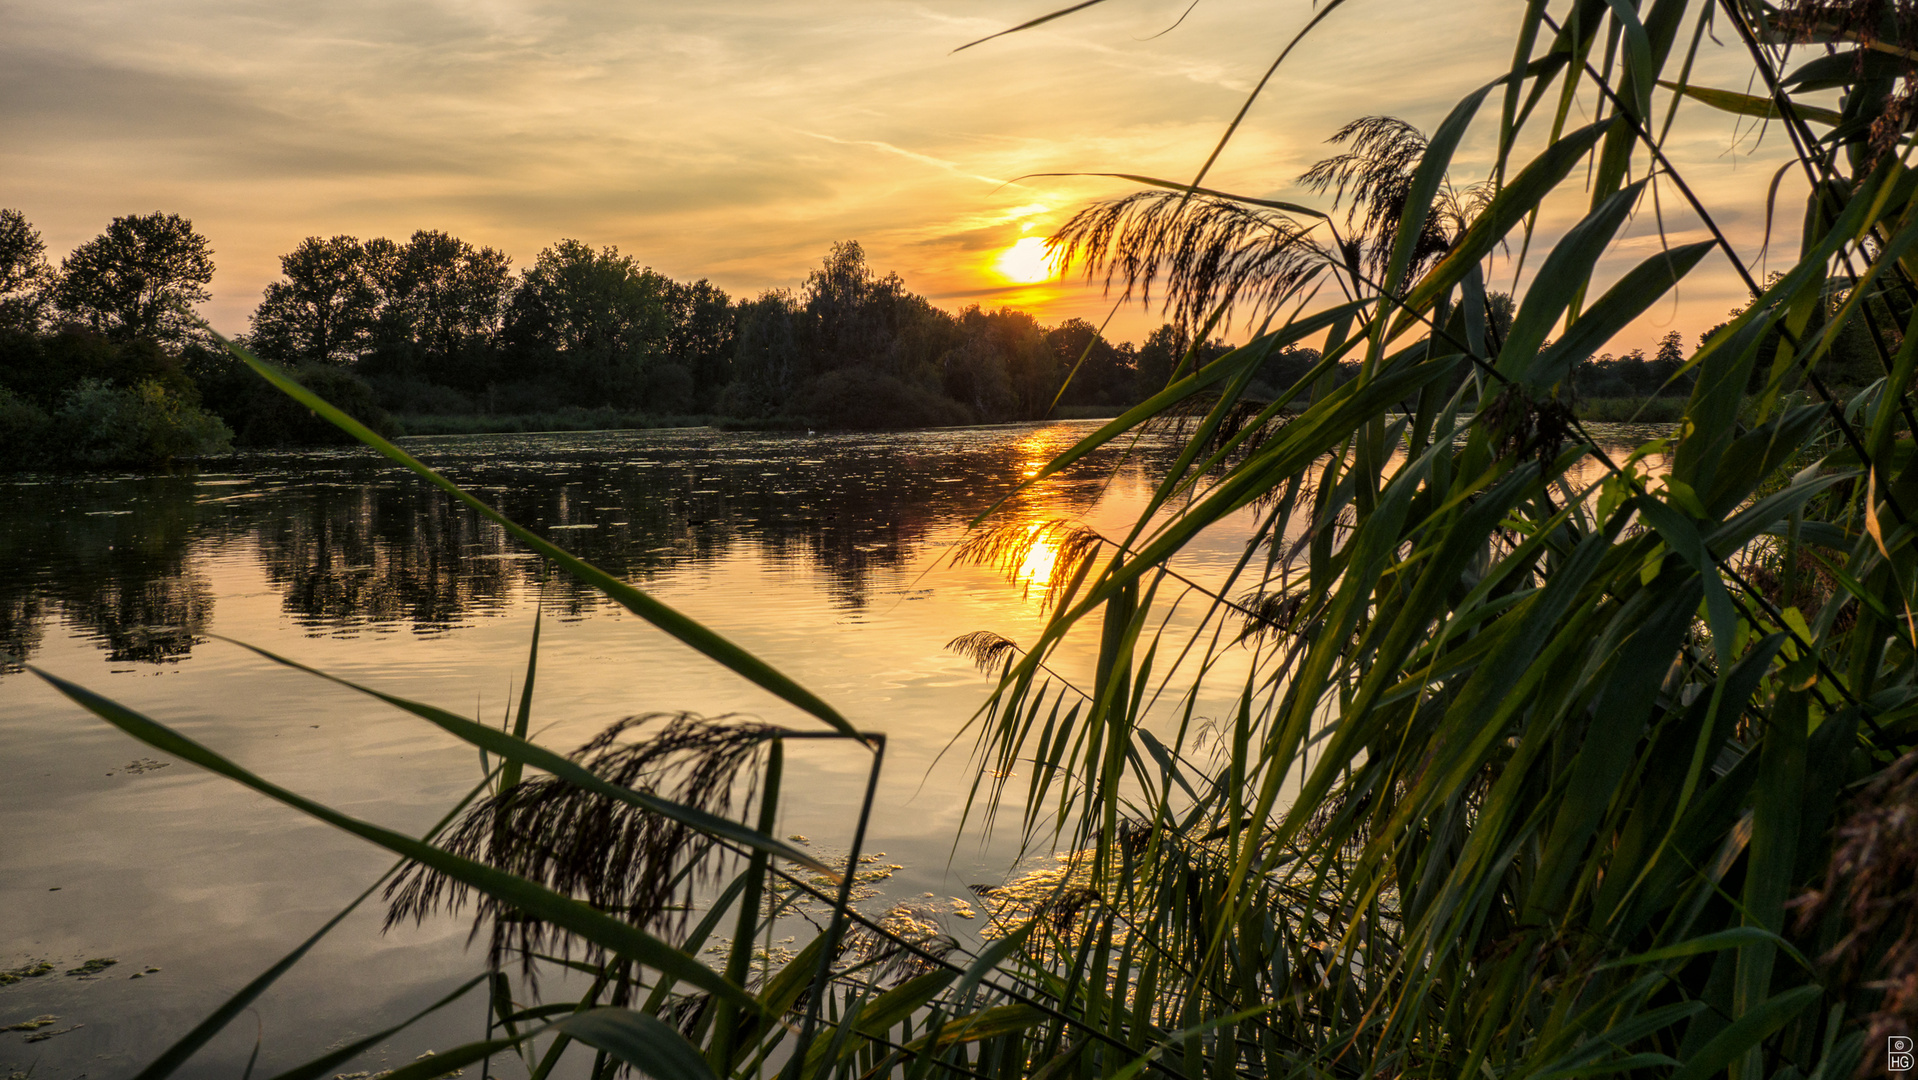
518	751
688	631
595	926
1740	104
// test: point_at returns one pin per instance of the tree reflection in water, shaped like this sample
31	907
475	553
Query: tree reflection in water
111	555
351	543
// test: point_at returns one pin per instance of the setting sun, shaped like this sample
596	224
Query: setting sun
1025	262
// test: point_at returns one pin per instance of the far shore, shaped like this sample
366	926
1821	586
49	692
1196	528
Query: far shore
1644	410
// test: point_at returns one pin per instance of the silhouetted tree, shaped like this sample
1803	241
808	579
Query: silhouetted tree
767	360
593	319
139	279
1104	375
1163	348
1668	359
1853	359
863	349
325	309
24	273
441	300
699	336
1283	369
853	316
1014	340
973	373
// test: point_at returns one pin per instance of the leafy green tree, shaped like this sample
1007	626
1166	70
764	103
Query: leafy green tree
699	336
1014	341
141	424
767	359
849	310
139	279
1162	359
441	304
1104	375
1163	348
24	273
593	319
325	309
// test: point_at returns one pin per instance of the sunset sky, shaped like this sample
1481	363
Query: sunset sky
737	140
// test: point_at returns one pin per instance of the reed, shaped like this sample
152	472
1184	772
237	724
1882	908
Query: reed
1525	777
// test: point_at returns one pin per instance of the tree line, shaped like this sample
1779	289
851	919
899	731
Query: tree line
436	325
103	361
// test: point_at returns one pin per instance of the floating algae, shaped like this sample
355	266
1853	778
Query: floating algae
94	966
34	1024
29	971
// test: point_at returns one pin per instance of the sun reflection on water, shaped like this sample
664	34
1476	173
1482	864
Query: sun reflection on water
1041	559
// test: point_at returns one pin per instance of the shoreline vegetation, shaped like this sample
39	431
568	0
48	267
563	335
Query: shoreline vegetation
208	441
1620	410
103	364
579	419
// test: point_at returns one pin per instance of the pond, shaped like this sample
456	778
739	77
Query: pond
825	555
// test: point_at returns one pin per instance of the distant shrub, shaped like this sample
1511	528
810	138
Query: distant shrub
866	400
669	389
144	424
745	399
411	394
1622	410
514	398
267	417
25	431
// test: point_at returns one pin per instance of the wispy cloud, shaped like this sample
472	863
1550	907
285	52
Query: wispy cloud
733	140
952	167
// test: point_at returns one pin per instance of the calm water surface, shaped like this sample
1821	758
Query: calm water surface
824	555
821	554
